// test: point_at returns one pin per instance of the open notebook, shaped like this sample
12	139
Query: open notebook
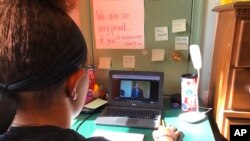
135	99
118	136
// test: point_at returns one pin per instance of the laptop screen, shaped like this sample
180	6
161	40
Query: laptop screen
136	88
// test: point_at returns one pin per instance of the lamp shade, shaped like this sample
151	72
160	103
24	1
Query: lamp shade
195	56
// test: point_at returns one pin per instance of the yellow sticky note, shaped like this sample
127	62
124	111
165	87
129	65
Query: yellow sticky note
104	63
128	61
158	54
179	25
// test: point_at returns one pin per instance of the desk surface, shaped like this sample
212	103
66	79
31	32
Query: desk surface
190	131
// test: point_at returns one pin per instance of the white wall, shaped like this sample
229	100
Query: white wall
208	33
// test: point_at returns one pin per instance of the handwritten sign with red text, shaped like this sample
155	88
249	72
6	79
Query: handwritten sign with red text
119	24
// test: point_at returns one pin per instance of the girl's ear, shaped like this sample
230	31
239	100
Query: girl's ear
73	80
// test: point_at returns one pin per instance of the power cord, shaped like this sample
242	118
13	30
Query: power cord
75	122
205	110
80	124
98	110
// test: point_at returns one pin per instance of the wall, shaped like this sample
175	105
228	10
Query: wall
208	33
172	73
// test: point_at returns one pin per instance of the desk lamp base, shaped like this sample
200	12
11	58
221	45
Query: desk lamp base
192	117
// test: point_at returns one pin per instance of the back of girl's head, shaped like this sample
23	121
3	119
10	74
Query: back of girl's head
35	37
32	35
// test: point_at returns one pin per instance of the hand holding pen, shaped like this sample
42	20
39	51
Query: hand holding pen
166	133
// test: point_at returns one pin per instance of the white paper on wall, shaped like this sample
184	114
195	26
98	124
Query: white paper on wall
128	61
161	33
179	25
118	24
181	43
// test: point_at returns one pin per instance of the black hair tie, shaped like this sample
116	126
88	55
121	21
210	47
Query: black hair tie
8	109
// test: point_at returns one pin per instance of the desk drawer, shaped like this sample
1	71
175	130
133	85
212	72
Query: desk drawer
241	90
234	121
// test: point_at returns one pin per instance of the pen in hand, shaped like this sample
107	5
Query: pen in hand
166	133
163	123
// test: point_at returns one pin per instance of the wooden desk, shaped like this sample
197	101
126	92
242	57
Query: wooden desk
190	132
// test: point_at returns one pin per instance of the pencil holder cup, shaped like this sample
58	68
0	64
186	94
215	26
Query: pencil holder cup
188	92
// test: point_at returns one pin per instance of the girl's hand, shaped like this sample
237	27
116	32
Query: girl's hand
168	133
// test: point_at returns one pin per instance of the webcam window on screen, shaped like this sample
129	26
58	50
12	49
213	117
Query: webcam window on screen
137	89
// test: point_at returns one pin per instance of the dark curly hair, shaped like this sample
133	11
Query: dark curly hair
33	34
40	46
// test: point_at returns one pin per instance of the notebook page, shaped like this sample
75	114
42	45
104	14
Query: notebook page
95	104
118	136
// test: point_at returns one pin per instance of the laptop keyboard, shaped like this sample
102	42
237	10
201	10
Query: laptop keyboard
132	113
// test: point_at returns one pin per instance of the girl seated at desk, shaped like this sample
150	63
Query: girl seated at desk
43	73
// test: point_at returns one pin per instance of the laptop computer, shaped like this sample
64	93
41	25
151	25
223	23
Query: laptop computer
134	100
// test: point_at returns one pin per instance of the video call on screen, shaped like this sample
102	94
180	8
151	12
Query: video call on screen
135	89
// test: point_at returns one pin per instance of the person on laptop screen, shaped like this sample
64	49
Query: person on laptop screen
137	92
43	73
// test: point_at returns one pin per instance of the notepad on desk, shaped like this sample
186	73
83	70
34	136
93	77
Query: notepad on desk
118	136
93	105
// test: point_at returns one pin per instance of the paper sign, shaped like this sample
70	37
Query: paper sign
179	25
128	61
181	43
118	24
104	63
161	33
158	54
